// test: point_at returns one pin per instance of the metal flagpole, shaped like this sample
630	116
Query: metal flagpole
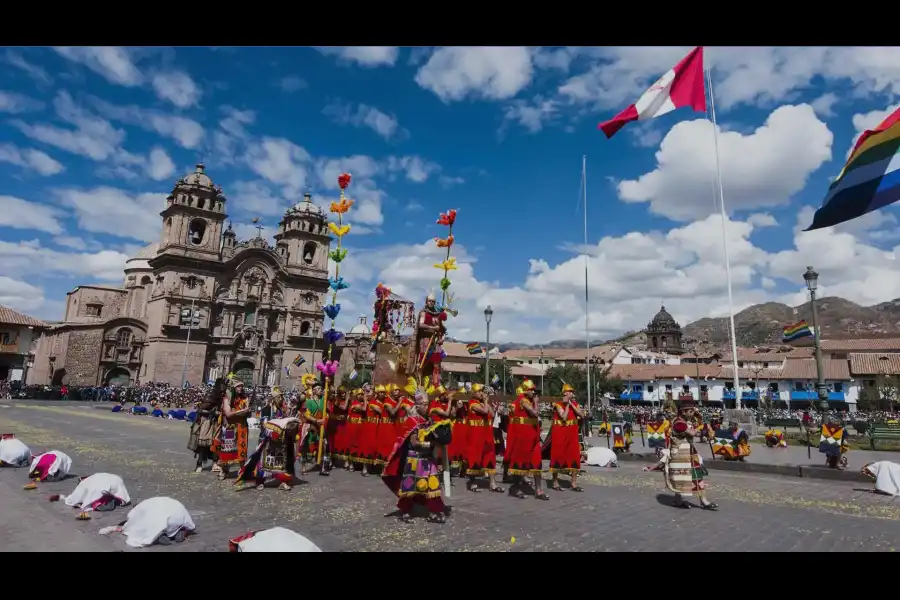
187	344
587	330
734	354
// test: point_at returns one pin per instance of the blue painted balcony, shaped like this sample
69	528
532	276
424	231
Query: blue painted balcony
803	396
836	396
632	395
750	395
728	395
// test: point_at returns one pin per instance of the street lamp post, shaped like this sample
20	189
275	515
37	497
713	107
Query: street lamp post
812	283
488	314
543	368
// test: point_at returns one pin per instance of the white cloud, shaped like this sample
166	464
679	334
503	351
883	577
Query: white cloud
20	295
36	72
824	104
186	132
762	169
863	122
363	115
24	259
255	198
31	159
15	103
160	166
493	73
616	76
281	162
176	87
291	83
92	137
111	62
115	212
365	56
414	168
22	214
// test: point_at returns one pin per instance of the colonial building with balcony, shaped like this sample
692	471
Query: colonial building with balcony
198	304
18	334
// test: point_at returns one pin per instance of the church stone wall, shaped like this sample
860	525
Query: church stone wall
166	362
82	359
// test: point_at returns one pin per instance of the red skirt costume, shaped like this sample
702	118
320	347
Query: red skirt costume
368	434
565	449
336	432
480	456
405	410
386	434
355	421
459	442
523	441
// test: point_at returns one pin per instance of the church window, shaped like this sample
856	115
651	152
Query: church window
250	315
123	338
309	252
201	203
92	310
304	328
191	282
145	280
197	232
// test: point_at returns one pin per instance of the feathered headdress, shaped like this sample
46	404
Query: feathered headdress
309	380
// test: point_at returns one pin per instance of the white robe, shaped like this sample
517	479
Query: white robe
14	452
154	517
93	488
62	464
887	477
601	457
277	539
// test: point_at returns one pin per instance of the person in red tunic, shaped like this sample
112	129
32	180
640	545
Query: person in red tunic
405	406
523	443
387	427
336	429
355	423
565	449
459	412
480	457
368	434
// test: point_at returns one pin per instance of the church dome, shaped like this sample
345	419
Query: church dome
139	260
663	321
306	207
360	329
199	177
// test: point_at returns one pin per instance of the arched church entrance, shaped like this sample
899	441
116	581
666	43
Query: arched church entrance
59	377
118	376
243	370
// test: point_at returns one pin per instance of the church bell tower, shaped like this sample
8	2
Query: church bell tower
194	217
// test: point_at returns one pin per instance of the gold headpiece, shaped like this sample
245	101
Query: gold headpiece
567	388
380	388
477	387
519	391
527	385
308	380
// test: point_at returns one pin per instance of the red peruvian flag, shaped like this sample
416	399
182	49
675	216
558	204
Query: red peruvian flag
682	86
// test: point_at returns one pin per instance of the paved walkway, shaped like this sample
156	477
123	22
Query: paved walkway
621	510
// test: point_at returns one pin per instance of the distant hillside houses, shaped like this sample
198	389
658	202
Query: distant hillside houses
783	376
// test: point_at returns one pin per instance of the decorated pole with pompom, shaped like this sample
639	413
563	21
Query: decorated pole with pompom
329	367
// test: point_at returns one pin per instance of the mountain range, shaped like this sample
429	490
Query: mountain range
762	324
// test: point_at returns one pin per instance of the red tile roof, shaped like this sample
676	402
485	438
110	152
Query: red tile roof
875	363
10	317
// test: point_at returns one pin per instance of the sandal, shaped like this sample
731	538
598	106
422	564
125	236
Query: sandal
519	494
710	506
284	487
474	488
437	518
542	496
497	489
577	488
405	518
220	475
556	488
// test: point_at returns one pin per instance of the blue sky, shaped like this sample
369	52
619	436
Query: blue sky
92	140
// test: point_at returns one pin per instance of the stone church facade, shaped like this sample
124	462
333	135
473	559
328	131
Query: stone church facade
198	304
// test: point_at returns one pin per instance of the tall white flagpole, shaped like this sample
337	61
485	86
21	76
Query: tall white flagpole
587	328
734	354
